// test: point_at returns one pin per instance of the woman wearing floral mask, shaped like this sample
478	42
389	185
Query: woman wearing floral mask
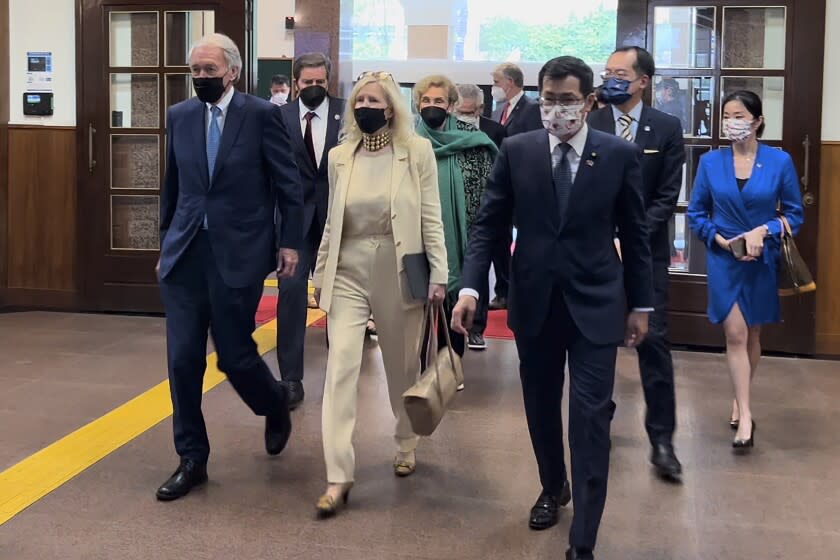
733	210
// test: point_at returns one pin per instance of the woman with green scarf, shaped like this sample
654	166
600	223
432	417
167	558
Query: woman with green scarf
465	157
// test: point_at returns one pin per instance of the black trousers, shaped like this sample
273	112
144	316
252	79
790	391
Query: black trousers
656	365
196	298
501	263
591	380
292	304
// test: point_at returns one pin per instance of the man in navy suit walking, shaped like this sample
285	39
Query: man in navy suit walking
313	121
228	164
628	73
567	188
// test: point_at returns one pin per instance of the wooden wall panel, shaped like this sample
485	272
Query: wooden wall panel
42	209
828	257
4	151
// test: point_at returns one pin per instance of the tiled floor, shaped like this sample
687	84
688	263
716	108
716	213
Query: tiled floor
475	482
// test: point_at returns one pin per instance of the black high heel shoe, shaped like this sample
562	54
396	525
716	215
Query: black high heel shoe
745	443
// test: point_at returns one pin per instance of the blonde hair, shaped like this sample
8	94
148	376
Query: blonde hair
435	80
401	122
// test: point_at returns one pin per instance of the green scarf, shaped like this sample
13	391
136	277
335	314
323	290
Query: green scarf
447	143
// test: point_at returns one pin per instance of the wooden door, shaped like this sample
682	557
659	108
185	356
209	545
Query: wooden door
703	51
132	66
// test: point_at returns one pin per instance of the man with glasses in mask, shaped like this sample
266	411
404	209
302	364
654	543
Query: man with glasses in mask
628	74
313	121
228	165
567	187
470	109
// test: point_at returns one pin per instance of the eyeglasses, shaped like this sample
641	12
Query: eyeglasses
547	103
621	75
378	75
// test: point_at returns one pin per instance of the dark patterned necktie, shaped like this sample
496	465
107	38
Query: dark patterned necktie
561	171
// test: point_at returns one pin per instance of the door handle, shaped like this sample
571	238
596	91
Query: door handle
807	145
91	160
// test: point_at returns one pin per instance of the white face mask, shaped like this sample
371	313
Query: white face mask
563	120
469	119
737	130
280	98
498	94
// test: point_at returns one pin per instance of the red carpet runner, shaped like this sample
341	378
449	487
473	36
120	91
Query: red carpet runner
496	325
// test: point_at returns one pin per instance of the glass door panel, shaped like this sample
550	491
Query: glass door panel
754	38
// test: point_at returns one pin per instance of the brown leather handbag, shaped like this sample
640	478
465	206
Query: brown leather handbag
793	276
428	399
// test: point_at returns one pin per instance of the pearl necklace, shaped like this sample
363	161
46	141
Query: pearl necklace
375	142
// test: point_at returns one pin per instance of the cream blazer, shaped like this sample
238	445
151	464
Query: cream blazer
415	214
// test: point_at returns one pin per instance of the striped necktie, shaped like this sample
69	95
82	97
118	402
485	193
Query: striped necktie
626	122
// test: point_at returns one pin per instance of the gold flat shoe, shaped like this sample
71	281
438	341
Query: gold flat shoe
405	466
327	506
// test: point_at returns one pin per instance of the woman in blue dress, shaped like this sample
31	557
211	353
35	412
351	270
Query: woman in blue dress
736	195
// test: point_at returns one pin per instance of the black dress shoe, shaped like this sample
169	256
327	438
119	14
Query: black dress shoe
295	390
665	460
578	554
189	475
278	425
544	513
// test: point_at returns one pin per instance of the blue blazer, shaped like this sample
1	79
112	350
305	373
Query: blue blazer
718	206
255	169
575	251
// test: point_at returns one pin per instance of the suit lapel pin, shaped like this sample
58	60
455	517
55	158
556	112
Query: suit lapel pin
336	116
647	128
757	164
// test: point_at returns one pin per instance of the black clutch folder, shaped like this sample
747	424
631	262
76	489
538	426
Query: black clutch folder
417	270
738	247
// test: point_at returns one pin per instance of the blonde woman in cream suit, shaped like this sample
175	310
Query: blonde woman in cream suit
384	204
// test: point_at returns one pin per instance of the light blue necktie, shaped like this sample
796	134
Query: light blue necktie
213	137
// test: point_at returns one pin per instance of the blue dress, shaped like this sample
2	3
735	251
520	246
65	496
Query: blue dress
718	206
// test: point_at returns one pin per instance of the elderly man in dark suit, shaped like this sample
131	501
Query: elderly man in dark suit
628	74
313	121
567	188
228	165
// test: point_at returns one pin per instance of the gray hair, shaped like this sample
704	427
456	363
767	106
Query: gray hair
231	52
512	72
470	91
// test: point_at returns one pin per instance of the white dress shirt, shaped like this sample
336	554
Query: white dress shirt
635	112
319	126
574	155
223	104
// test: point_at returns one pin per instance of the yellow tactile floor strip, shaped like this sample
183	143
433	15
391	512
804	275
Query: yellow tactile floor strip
39	474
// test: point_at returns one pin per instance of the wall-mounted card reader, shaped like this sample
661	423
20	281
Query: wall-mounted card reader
39	103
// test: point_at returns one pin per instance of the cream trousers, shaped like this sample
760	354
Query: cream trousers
366	281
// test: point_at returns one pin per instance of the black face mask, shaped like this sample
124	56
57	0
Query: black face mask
209	90
313	96
434	117
370	119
